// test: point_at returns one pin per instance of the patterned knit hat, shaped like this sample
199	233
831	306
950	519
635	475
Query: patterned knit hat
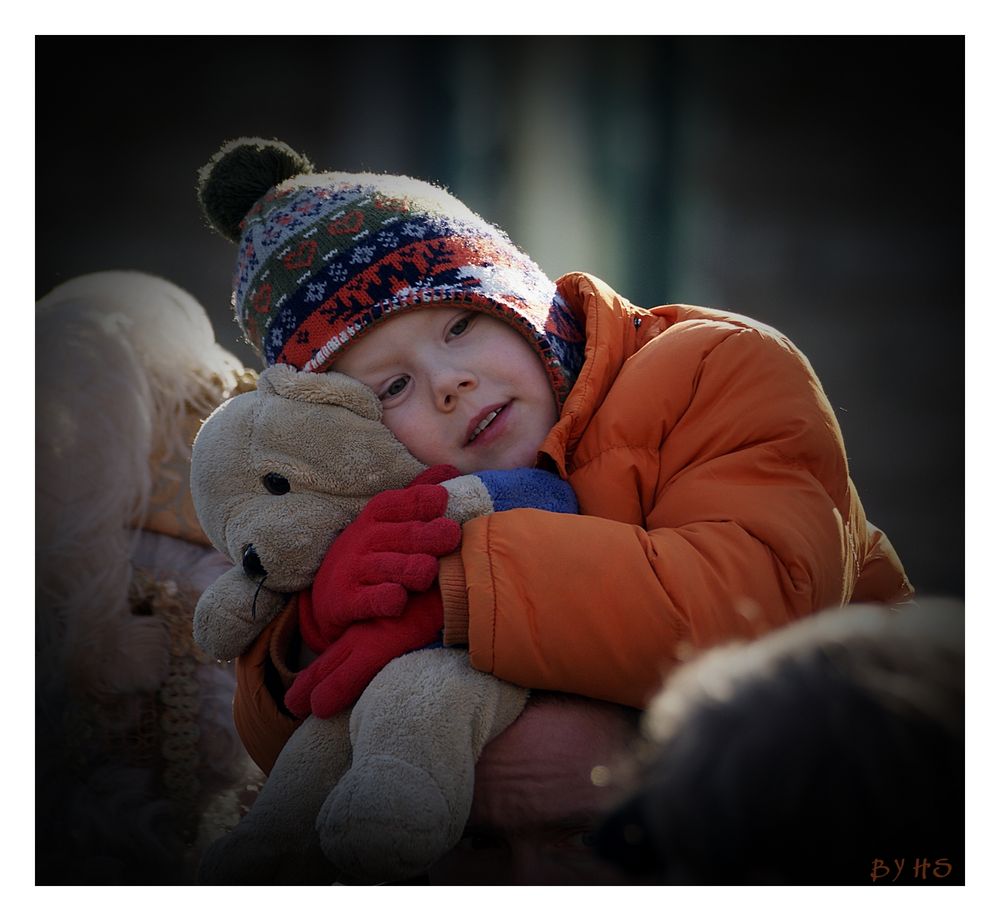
324	257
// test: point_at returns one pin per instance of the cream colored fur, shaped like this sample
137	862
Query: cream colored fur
124	359
386	791
125	356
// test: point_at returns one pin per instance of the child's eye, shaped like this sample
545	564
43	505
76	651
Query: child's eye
460	326
396	387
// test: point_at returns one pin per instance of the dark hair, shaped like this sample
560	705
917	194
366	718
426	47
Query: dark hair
806	757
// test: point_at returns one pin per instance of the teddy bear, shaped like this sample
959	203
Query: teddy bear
382	789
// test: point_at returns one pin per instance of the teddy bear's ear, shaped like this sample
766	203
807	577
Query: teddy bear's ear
328	387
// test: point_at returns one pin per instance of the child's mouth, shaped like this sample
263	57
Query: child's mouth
486	422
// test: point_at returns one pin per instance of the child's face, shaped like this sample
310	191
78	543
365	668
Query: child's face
441	372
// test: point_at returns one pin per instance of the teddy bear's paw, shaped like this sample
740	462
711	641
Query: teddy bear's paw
387	820
241	859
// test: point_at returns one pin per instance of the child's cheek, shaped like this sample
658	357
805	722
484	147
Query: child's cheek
420	435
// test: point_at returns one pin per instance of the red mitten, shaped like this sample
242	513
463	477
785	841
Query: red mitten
392	548
337	678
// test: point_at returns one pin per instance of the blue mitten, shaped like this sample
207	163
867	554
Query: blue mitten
491	491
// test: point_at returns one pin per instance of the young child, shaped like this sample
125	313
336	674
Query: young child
709	468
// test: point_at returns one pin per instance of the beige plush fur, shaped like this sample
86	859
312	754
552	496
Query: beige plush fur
384	792
126	357
127	365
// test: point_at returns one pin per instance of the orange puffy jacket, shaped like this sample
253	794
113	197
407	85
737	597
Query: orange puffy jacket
715	504
715	499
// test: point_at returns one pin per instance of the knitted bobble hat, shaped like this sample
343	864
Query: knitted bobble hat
325	257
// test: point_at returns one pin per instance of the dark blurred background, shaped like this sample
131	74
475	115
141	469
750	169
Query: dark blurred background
814	183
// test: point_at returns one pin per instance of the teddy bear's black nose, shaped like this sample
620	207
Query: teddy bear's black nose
252	565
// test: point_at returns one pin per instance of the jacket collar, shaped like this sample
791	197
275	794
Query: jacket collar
615	330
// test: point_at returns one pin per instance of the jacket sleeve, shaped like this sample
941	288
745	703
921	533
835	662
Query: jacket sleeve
263	674
718	510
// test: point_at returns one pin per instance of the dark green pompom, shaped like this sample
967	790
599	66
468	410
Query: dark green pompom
239	174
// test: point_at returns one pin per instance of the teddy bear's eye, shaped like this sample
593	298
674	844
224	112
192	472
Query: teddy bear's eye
275	484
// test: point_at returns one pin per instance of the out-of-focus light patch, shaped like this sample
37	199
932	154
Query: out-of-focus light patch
600	775
685	651
559	215
748	609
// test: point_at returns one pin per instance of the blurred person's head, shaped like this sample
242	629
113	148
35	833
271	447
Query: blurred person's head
541	788
828	752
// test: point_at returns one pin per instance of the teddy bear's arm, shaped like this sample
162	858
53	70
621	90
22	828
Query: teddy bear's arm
489	491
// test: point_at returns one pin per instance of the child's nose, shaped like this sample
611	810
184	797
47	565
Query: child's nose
450	385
